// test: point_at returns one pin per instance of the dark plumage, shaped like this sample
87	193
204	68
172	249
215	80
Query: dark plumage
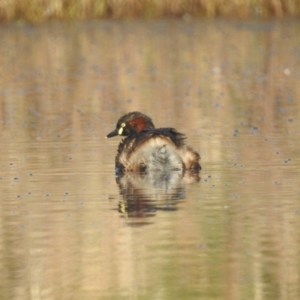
147	148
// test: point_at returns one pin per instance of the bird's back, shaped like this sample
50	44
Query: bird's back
161	149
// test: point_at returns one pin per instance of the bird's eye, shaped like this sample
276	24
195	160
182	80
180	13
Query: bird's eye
120	131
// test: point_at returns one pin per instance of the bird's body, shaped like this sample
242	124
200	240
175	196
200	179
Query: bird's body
147	148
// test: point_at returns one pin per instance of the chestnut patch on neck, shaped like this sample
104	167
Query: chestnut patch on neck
139	124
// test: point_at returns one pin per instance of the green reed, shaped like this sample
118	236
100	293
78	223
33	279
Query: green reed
40	10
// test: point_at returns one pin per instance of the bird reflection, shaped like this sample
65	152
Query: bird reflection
143	194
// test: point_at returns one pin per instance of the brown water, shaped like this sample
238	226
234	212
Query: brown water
69	230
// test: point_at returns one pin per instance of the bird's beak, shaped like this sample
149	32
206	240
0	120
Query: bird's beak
113	133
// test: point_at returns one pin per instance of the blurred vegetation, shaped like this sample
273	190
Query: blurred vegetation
42	10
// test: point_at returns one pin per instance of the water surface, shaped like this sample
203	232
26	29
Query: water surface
71	230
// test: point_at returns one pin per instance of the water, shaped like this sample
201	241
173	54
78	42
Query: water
71	230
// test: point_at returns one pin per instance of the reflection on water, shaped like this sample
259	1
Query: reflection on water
144	194
69	229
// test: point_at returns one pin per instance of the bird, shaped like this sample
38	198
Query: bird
146	148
